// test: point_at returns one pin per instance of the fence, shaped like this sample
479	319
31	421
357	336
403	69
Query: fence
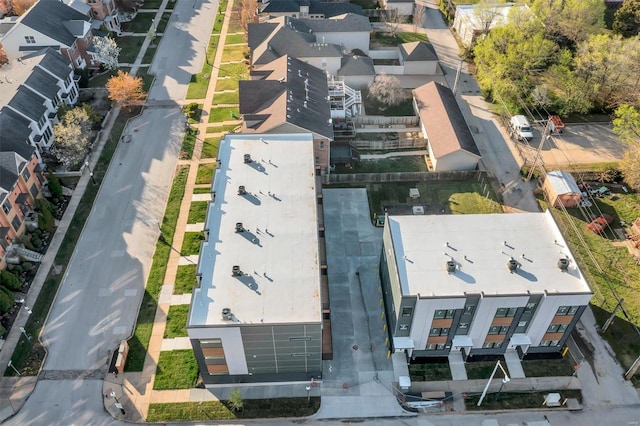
406	176
379	120
384	53
389	69
390	144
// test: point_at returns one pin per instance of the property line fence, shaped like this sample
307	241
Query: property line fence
406	176
380	120
390	144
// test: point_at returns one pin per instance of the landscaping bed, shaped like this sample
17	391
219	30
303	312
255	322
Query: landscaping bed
515	401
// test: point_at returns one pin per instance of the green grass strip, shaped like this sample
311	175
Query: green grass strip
176	370
176	322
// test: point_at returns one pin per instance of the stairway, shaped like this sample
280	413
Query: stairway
28	255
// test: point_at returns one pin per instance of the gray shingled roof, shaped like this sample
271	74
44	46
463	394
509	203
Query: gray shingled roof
49	17
28	103
418	51
294	92
259	32
443	121
56	64
9	169
356	65
328	9
348	22
43	82
14	133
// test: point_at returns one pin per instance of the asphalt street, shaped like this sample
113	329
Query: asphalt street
97	303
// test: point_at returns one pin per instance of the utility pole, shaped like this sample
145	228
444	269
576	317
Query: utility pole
632	370
504	381
458	71
545	134
612	316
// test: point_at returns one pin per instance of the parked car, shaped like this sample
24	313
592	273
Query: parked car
600	223
521	127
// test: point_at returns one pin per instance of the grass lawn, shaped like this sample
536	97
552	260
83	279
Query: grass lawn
140	341
483	369
197	212
385	39
374	107
235	39
140	24
176	325
210	148
219	114
217	25
130	46
199	82
205	173
176	370
202	190
226	84
429	372
220	410
164	20
191	243
152	4
229	70
185	279
548	367
234	25
226	98
514	401
150	52
459	197
29	355
188	144
234	53
147	79
101	80
221	129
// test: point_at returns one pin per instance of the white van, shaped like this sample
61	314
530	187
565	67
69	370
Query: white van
521	127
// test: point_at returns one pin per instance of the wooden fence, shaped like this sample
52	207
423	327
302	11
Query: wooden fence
406	176
390	144
380	120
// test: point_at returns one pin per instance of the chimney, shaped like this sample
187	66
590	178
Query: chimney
242	190
247	158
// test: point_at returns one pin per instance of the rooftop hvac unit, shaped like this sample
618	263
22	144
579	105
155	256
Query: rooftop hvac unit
451	266
239	227
563	264
235	271
247	158
242	190
512	264
226	314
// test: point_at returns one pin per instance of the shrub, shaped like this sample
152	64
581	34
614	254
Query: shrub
10	281
191	109
46	220
2	330
17	269
6	300
27	266
55	188
36	241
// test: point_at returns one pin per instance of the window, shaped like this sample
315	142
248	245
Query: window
435	331
512	312
33	190
450	313
502	312
552	328
79	61
440	313
321	144
406	312
301	355
404	327
30	39
495	329
562	310
296	339
468	309
529	308
545	343
430	347
25	173
573	310
445	331
554	343
562	328
317	160
497	344
440	346
6	206
522	326
487	345
504	329
16	222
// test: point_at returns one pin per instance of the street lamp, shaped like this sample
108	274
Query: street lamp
504	381
24	332
86	163
14	368
118	404
308	388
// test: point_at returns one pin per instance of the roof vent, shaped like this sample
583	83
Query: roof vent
247	158
512	264
281	80
239	227
563	264
226	314
242	190
235	271
451	266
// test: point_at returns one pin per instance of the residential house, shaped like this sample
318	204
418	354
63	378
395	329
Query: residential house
256	313
450	144
298	38
308	9
51	23
289	96
357	71
20	185
103	12
479	284
472	20
562	189
418	57
404	7
32	89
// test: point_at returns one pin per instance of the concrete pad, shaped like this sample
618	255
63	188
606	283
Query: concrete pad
201	197
513	364
175	343
181	299
188	260
456	364
194	227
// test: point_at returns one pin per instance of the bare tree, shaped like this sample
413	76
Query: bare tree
72	136
386	89
419	13
393	21
6	6
107	51
128	5
3	56
487	11
247	9
21	6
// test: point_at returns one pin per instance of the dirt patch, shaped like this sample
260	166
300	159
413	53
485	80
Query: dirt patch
97	98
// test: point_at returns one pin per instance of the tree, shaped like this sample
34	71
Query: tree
107	51
486	12
3	56
393	20
128	6
247	11
419	14
626	124
21	6
10	281
386	89
235	400
6	6
629	167
626	20
72	137
570	20
125	89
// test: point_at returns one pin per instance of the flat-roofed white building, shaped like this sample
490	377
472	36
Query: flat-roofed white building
256	314
480	283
